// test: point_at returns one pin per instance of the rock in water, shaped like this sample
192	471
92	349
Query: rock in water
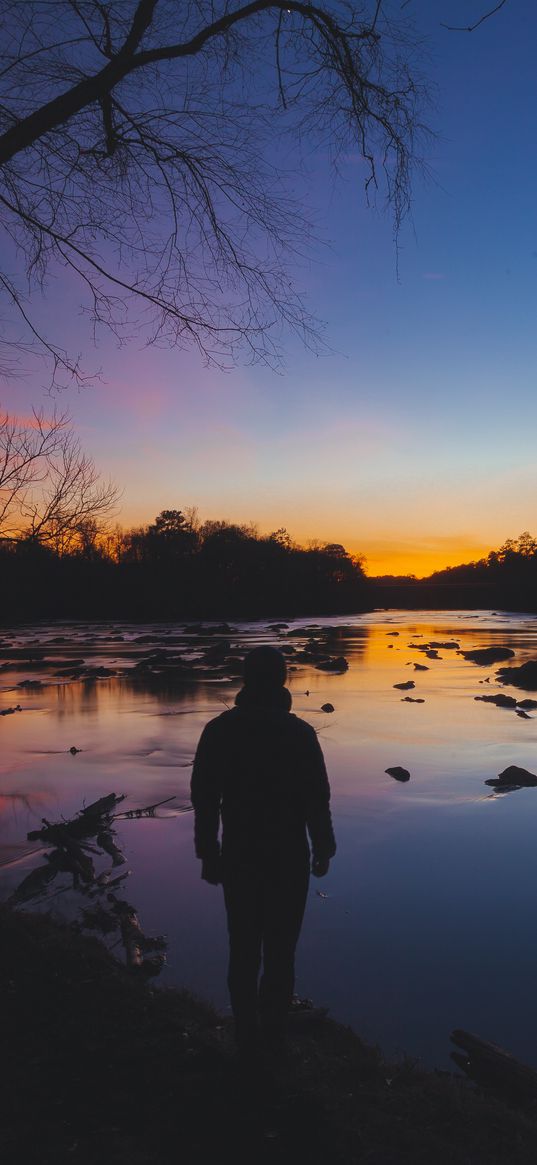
515	778
405	687
398	773
487	655
336	664
327	708
500	699
524	676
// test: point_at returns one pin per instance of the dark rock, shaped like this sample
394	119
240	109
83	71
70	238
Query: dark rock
448	645
31	654
514	777
9	711
217	652
524	676
315	650
392	633
432	653
405	686
66	663
327	708
30	684
487	655
74	750
412	700
421	667
527	704
336	664
500	699
97	673
524	715
398	773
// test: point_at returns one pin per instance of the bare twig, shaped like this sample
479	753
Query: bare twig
472	27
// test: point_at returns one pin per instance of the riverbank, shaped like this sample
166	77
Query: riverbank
102	1067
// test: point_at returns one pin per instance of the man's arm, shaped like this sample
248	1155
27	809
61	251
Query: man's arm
318	816
205	792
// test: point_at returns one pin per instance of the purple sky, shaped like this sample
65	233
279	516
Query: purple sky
412	438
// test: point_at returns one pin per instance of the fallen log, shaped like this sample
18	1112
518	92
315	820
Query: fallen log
492	1067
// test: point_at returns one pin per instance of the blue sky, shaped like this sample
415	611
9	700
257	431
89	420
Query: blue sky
411	437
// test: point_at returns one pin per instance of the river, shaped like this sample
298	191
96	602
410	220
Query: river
427	918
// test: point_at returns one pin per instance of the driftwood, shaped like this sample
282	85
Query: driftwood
70	849
135	942
147	811
492	1067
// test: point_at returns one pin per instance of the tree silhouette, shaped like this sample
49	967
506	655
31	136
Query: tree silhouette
138	150
50	490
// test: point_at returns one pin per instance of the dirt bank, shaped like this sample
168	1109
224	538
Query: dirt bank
103	1068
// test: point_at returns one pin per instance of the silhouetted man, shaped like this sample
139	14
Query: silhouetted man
260	771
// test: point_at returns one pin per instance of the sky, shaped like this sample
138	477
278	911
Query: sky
411	438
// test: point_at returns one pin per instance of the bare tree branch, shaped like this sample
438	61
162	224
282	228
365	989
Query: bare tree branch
472	27
137	151
50	490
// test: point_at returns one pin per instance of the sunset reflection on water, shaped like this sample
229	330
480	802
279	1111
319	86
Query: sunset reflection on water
428	920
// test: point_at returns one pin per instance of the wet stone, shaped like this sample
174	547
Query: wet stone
484	656
499	699
398	773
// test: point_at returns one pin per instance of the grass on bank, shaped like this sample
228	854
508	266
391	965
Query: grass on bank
103	1068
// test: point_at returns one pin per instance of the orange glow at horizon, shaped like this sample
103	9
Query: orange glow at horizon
399	555
418	558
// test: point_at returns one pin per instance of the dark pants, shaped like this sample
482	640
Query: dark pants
264	915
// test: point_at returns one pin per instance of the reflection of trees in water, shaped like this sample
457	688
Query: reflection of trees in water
74	848
86	695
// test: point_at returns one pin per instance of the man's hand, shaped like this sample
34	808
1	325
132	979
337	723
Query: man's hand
319	867
211	870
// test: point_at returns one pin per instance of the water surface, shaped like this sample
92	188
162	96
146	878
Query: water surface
428	916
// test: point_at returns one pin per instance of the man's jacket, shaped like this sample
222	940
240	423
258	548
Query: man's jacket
260	772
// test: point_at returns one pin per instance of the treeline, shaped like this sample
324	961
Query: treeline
178	568
509	574
505	578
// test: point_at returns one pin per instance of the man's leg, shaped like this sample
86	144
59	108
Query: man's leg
284	911
244	905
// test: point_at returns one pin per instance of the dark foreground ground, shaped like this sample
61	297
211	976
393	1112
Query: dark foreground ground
99	1067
